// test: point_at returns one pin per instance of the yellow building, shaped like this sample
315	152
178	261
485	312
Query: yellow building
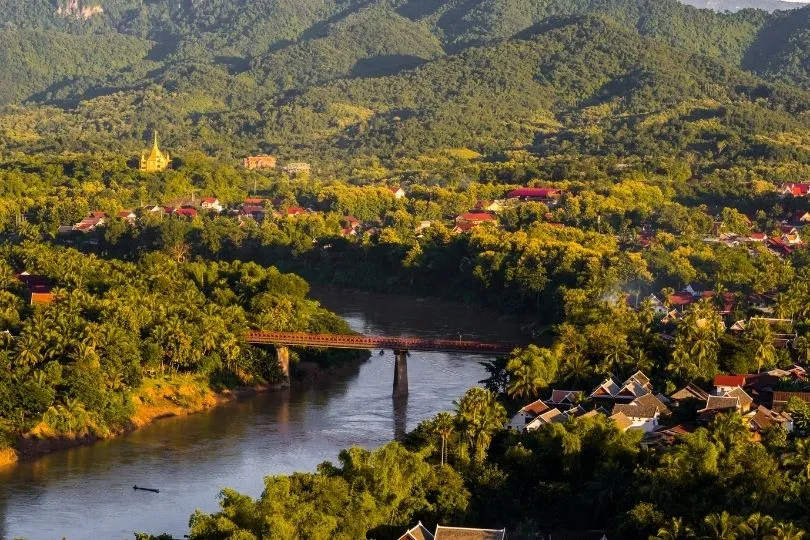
156	161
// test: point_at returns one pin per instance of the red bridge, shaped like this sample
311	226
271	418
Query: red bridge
400	346
337	341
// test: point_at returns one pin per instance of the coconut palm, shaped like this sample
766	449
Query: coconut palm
761	336
720	527
799	459
675	530
758	526
530	370
479	415
786	531
444	426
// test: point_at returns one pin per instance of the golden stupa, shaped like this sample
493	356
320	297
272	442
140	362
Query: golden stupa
156	161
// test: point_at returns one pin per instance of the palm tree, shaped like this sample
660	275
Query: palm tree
675	530
786	531
762	337
720	526
799	459
576	370
530	370
479	415
802	346
28	349
444	426
728	429
757	526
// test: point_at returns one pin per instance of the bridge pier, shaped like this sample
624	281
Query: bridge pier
283	356
400	373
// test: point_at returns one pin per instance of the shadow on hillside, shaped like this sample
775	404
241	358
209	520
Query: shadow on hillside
548	25
321	29
388	64
416	9
773	40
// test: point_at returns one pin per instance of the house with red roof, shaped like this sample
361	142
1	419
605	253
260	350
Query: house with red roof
39	288
795	190
90	223
253	211
727	383
757	237
188	213
463	227
397	192
528	413
476	218
544	195
295	211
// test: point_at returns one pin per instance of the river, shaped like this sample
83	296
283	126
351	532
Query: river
87	492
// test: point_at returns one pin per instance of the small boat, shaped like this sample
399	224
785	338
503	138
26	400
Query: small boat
382	353
145	489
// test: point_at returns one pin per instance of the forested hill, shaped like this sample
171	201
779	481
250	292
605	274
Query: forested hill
327	79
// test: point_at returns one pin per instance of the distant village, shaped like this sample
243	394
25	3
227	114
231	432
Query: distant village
634	404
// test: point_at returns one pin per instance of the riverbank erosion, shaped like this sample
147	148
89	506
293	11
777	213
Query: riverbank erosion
174	396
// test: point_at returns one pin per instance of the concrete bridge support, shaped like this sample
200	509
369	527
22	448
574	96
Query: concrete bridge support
283	355
400	373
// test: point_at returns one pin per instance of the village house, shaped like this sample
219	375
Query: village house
295	211
476	218
623	423
259	162
212	204
254	212
757	237
549	196
489	206
528	413
90	223
186	212
795	190
463	227
420	532
780	399
465	533
727	383
634	387
397	192
565	399
716	405
763	418
689	395
297	168
127	215
643	412
551	416
38	288
790	235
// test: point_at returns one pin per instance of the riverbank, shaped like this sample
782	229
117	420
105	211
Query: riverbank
160	398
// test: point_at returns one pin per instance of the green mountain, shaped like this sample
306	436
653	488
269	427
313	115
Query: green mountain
325	80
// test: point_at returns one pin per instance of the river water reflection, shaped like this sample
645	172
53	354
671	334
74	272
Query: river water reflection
87	492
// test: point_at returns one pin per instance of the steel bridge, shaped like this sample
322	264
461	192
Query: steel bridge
400	346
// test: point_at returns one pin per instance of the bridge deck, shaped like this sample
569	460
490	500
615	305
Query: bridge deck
336	341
